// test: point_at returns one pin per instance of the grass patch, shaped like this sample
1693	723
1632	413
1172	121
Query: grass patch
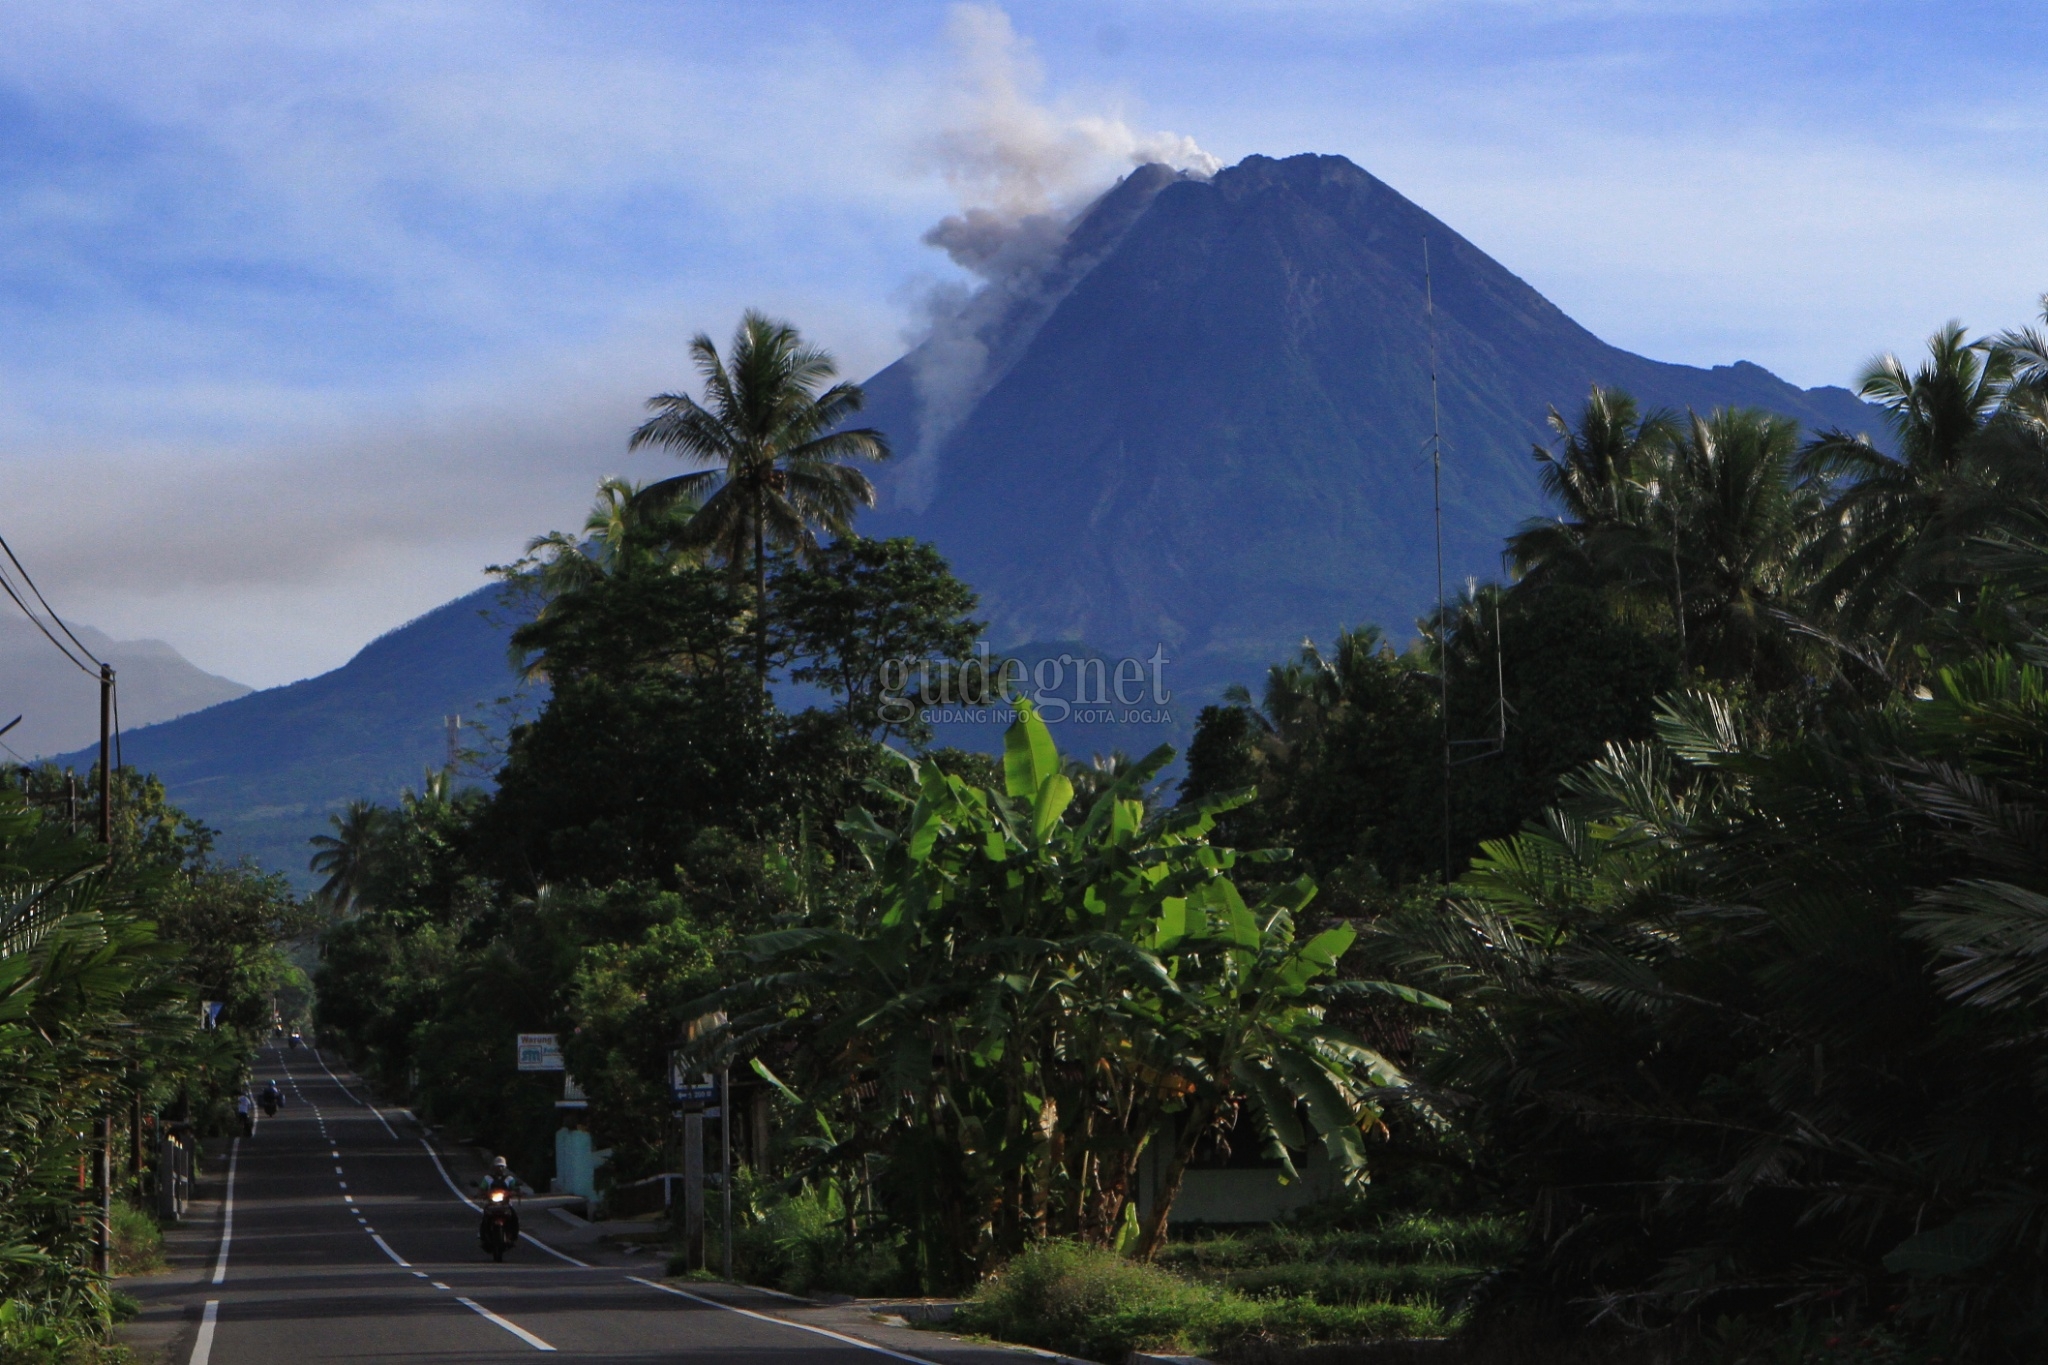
1403	1240
1088	1302
138	1242
1372	1282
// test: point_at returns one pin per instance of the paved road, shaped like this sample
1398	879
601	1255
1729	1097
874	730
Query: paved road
342	1239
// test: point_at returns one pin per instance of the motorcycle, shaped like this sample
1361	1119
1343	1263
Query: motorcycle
269	1101
500	1227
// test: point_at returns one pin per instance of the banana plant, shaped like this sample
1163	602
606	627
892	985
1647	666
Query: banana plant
1034	992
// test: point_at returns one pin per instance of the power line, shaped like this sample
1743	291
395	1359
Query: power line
12	558
109	702
36	621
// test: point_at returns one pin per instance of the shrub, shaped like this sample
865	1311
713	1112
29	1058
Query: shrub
1088	1302
29	1337
799	1244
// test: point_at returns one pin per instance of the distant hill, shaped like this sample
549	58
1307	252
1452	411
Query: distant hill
268	768
60	706
1205	424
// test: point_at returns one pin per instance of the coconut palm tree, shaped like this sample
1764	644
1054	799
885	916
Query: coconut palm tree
1733	519
1894	523
563	562
1697	522
623	534
344	856
1605	529
771	448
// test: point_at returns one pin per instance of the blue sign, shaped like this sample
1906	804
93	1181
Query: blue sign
684	1090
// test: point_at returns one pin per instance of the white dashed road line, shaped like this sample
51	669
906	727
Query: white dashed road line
202	1345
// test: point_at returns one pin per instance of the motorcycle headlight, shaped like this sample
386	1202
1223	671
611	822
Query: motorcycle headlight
497	1196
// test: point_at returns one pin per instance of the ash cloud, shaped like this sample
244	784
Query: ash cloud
1023	171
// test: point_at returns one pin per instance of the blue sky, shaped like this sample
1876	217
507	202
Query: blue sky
307	312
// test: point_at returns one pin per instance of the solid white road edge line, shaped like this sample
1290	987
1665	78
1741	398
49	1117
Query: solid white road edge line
780	1322
514	1328
202	1345
456	1190
352	1095
332	1077
227	1213
448	1180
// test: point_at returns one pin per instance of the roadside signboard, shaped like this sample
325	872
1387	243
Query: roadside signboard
540	1052
687	1091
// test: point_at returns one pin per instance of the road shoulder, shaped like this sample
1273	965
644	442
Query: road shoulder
172	1299
863	1321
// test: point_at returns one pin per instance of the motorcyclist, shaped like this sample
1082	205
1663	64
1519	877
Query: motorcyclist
272	1100
245	1110
296	1040
500	1177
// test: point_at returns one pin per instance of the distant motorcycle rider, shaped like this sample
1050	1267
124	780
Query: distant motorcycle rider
272	1099
500	1178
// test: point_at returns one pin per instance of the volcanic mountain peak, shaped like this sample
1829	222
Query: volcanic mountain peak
1205	430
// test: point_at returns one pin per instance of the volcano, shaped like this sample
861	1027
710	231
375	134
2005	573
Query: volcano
1207	424
1197	430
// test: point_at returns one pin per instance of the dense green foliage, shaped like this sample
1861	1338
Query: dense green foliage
1717	1038
1747	1021
1346	749
105	958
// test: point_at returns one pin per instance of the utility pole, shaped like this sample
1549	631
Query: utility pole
1436	502
103	1166
693	1190
725	1162
106	755
103	1173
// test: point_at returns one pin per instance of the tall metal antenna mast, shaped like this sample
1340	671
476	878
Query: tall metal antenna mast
1436	472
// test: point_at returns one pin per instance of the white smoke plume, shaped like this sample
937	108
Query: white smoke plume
1021	169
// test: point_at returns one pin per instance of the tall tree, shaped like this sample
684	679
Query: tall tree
1603	534
1895	523
1735	519
861	616
771	446
343	857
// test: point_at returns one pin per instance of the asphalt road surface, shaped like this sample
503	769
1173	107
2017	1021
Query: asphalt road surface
343	1236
